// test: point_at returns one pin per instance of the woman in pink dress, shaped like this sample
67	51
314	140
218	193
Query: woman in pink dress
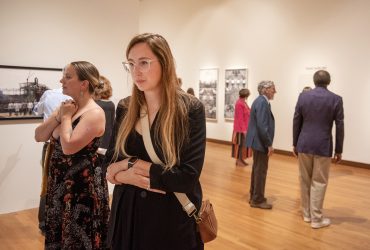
241	119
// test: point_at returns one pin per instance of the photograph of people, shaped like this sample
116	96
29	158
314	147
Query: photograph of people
235	80
208	91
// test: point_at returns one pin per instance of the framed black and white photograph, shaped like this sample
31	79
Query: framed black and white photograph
208	92
235	80
21	88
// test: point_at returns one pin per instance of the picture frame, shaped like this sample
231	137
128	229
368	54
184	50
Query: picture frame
21	88
235	80
208	82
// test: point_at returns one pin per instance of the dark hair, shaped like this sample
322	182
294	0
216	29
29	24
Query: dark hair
190	91
321	78
307	88
244	93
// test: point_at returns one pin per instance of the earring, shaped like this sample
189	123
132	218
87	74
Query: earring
81	93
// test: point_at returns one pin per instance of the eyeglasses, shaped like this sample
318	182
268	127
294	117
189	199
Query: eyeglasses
142	65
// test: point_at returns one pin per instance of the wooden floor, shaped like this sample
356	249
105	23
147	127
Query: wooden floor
347	204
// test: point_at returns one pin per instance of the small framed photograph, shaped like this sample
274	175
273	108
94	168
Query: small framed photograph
21	88
235	80
208	82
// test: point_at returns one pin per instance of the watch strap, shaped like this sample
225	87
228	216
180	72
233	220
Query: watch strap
132	161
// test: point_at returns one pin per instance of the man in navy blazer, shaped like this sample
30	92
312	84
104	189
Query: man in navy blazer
315	113
260	135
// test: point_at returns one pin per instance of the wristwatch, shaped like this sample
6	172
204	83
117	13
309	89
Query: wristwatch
132	161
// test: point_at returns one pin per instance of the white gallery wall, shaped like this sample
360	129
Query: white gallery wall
41	33
281	40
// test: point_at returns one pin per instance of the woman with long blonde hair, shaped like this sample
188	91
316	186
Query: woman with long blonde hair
145	211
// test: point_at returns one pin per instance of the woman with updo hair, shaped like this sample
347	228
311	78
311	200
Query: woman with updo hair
190	91
77	194
101	97
241	119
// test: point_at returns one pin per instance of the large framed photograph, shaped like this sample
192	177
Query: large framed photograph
21	88
235	80
208	92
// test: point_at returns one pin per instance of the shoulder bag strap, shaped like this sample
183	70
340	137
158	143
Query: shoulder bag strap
186	204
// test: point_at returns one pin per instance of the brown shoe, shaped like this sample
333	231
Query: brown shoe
240	163
264	200
244	162
262	205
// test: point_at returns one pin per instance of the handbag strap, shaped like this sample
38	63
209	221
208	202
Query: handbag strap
186	204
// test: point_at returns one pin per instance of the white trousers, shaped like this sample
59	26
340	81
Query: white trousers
313	177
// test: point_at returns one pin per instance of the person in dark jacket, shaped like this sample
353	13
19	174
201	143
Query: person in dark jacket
315	112
101	97
260	136
145	212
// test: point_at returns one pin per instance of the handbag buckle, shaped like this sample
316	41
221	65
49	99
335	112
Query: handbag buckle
197	218
190	209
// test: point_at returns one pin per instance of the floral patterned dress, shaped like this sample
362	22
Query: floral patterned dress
77	200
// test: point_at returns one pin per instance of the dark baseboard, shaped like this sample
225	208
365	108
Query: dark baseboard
289	153
283	152
219	141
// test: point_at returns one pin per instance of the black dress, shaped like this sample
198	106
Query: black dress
109	108
141	219
77	205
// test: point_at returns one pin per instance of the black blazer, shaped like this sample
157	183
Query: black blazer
108	107
146	220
